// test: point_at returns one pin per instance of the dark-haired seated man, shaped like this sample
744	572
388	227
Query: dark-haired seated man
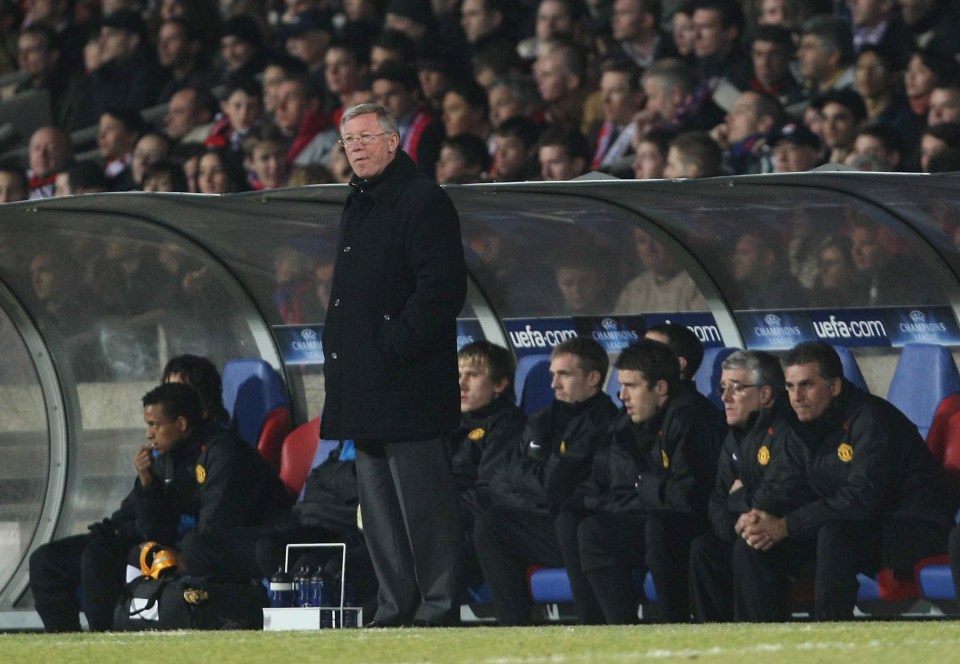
201	374
189	466
646	498
518	530
881	500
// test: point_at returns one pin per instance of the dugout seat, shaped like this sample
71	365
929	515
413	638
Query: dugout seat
552	585
533	383
851	370
708	374
924	376
256	398
297	455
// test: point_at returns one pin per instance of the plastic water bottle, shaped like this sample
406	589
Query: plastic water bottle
301	586
349	605
281	590
324	593
314	597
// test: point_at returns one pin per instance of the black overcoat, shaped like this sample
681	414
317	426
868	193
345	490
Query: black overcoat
390	338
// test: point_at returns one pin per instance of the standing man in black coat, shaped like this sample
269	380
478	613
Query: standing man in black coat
399	283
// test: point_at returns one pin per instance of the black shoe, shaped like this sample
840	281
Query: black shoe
379	624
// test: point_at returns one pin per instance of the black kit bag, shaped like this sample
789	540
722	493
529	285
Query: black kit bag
185	602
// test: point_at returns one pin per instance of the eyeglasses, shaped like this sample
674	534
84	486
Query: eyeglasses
733	389
365	139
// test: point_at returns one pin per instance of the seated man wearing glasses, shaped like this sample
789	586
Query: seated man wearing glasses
879	497
758	414
646	498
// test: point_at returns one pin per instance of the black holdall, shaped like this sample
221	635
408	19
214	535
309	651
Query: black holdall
185	602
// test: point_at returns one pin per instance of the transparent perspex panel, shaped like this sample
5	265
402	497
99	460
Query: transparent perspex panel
24	449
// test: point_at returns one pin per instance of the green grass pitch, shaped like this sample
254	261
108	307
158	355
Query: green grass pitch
851	643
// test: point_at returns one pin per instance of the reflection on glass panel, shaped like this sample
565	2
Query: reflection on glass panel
563	260
113	303
24	449
819	254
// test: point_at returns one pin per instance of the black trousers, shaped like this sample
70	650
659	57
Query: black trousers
612	545
954	549
842	549
411	524
91	566
711	579
508	541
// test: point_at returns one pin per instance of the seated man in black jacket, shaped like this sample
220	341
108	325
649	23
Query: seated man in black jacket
647	496
518	530
880	498
758	414
490	434
200	470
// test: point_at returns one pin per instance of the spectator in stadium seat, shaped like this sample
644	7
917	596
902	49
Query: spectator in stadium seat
563	153
275	71
662	285
466	111
843	115
676	98
925	70
795	149
511	97
149	148
878	82
742	134
392	45
81	177
560	73
693	154
124	71
931	23
490	436
40	56
117	134
944	103
220	171
94	563
414	19
878	24
515	150
345	74
51	151
635	28
299	115
718	27
485	26
518	530
181	53
165	175
646	498
883	142
613	138
825	54
463	159
14	184
264	156
935	139
189	115
306	36
757	413
881	500
771	51
241	109
553	18
242	48
650	159
394	86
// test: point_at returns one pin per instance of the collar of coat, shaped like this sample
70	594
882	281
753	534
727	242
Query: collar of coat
390	183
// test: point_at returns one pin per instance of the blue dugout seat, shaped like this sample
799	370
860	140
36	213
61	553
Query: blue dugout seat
552	585
851	370
256	398
708	374
532	381
925	375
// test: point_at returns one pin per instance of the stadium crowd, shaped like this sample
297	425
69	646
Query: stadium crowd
225	96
